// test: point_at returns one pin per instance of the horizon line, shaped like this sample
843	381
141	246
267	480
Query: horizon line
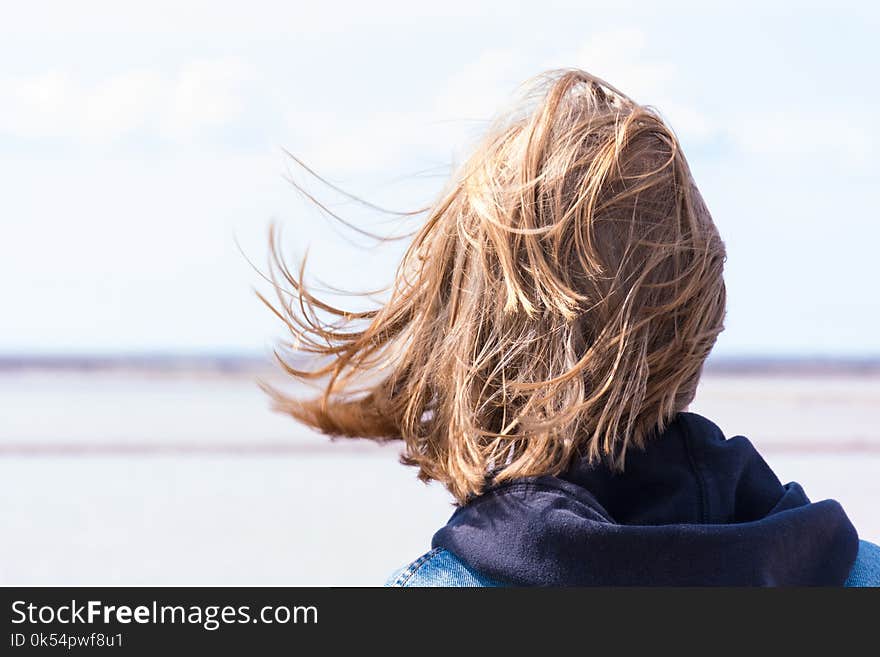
231	362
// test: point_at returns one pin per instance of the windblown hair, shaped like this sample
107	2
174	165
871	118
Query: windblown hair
559	300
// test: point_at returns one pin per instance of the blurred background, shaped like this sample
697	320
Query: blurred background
142	160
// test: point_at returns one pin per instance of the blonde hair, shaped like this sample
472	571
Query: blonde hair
559	300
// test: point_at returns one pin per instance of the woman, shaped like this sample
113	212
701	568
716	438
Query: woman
543	339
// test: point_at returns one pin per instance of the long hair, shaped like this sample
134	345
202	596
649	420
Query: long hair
560	299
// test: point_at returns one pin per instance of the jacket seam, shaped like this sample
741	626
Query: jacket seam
698	475
512	487
415	566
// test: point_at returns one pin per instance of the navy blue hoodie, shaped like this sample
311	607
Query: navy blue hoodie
692	508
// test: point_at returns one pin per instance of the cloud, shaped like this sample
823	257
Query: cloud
462	105
436	126
626	59
850	136
477	91
57	104
622	58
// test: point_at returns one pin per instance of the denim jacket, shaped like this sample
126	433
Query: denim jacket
441	568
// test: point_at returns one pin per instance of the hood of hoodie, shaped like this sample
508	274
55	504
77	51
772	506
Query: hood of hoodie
691	509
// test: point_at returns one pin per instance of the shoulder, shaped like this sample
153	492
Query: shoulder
441	568
438	567
866	570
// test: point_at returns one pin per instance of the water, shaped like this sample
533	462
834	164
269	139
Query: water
124	479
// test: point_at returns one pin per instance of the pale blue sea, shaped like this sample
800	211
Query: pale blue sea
132	478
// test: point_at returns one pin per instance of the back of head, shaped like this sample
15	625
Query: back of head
559	300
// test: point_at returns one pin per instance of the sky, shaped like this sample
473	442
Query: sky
142	152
